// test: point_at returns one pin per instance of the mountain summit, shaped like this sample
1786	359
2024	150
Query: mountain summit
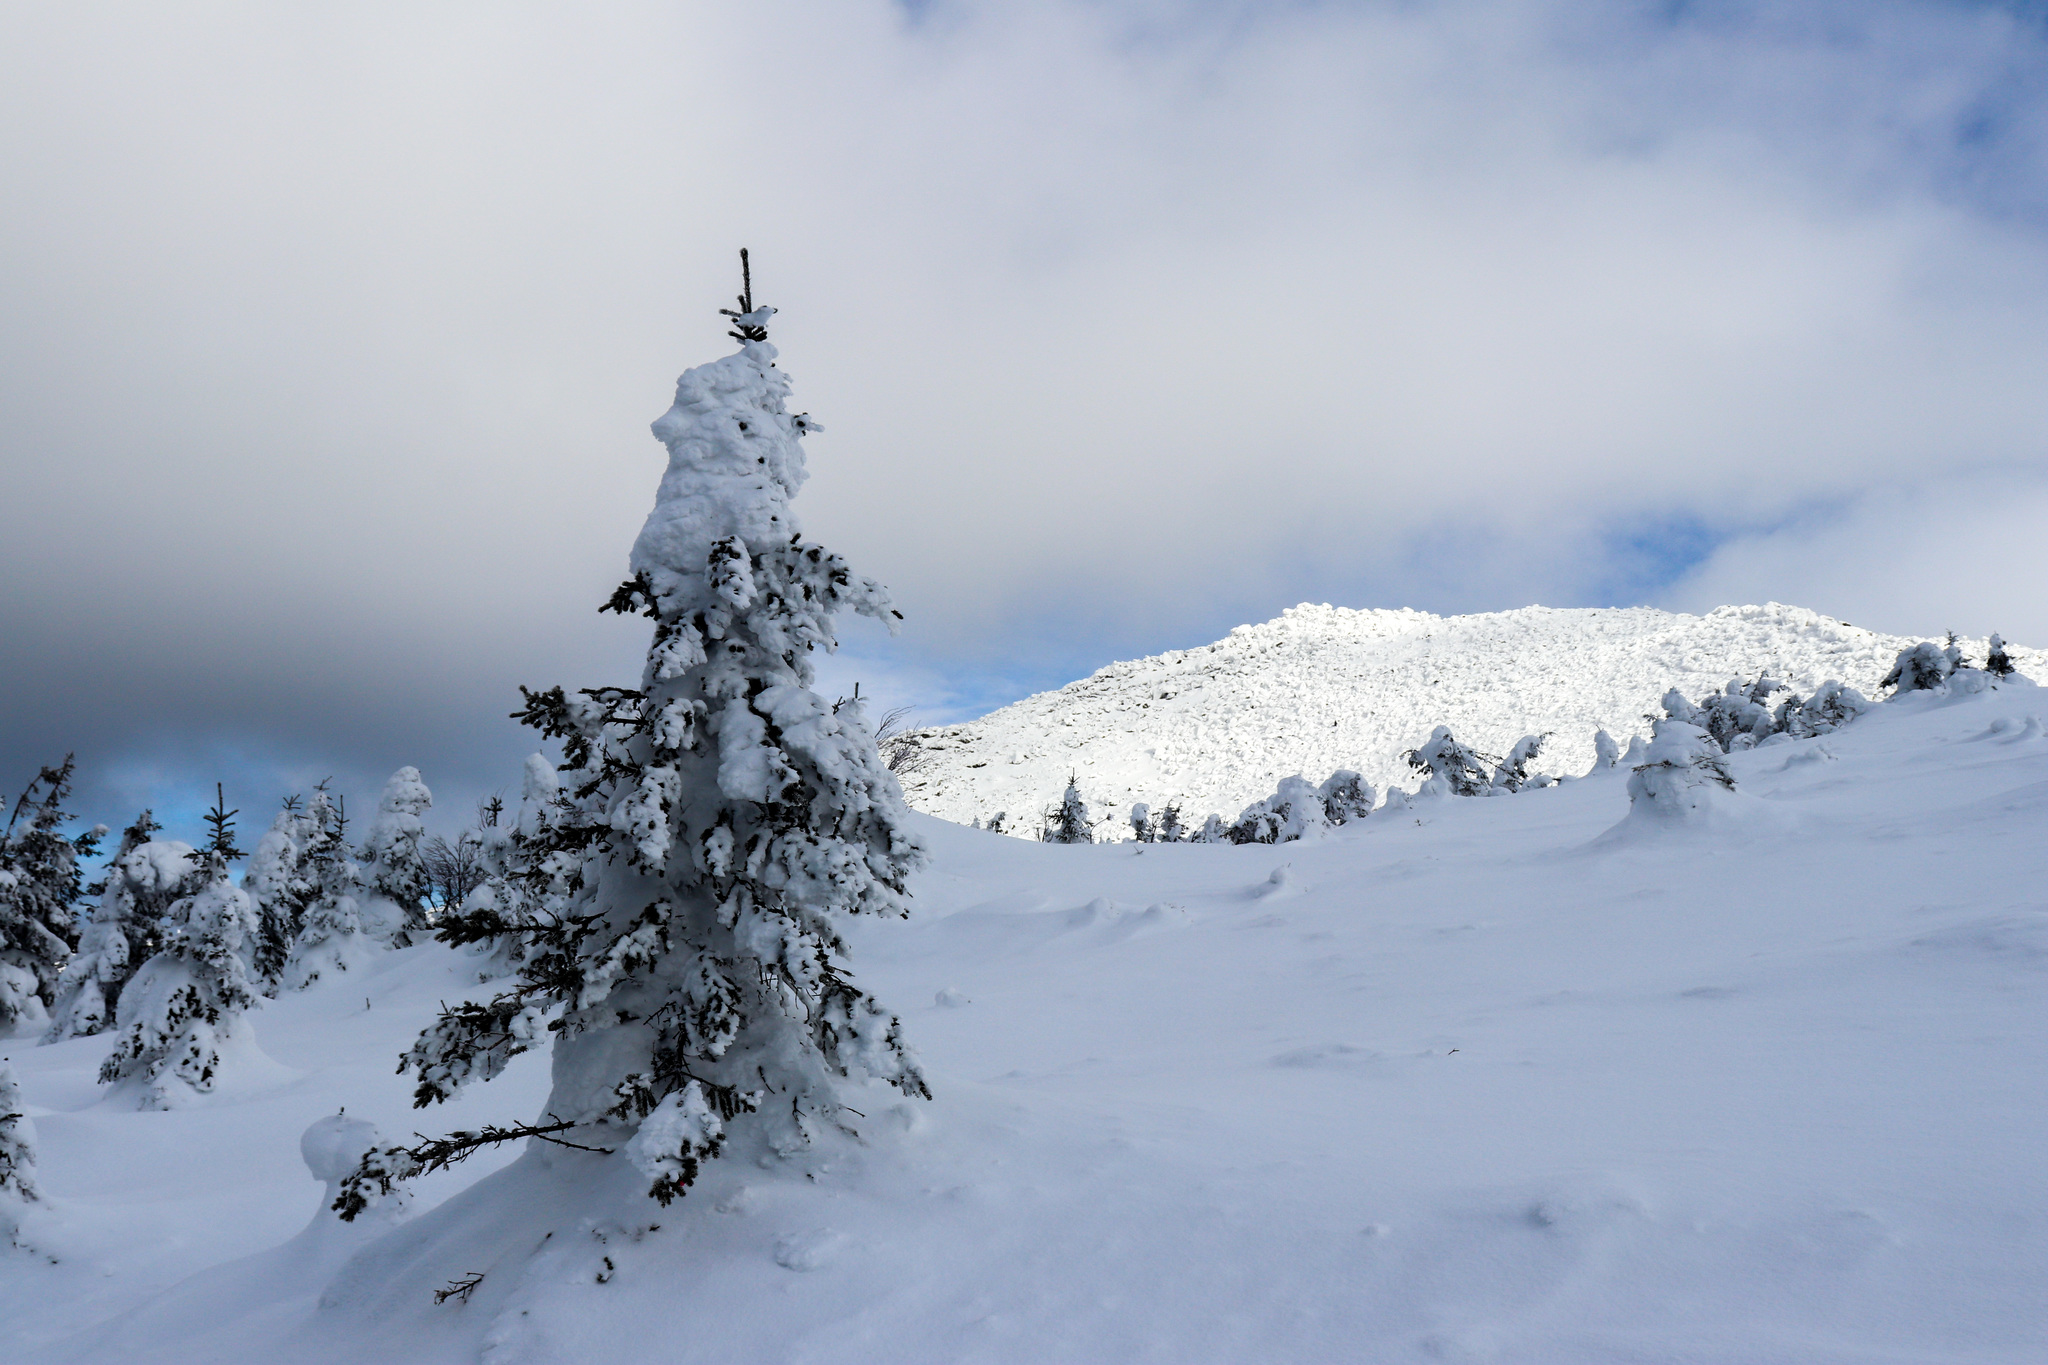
1320	688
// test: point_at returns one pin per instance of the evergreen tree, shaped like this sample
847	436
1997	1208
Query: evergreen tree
720	820
395	876
41	884
1142	829
1513	773
1832	706
17	1157
283	880
1213	831
143	879
1996	661
1680	774
1167	826
1924	667
526	879
1070	822
331	938
1450	766
1606	753
1293	812
1346	796
184	1006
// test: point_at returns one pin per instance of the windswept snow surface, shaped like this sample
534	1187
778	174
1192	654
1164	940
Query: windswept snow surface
1513	1079
1321	688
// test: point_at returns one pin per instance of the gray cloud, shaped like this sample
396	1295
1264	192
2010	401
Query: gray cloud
330	338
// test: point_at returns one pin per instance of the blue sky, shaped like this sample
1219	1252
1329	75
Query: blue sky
331	337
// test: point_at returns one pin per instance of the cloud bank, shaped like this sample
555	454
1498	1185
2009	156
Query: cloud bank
331	338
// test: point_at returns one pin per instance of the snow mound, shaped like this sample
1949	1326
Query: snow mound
1320	688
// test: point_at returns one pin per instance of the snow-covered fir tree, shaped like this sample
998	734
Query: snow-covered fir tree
282	878
1606	753
1997	662
1924	667
41	884
124	929
1213	831
1513	773
1738	716
1143	831
183	1008
722	819
17	1157
1346	797
331	938
1294	811
395	879
1070	822
1450	767
1832	705
1680	774
1167	827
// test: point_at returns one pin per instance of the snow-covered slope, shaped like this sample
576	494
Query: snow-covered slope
1321	688
1516	1080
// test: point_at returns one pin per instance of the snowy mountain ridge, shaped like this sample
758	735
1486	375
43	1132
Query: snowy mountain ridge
1320	688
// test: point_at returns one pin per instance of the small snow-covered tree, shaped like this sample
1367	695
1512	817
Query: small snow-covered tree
1070	821
1294	811
1142	829
1833	705
1346	796
1513	773
1167	827
1677	777
1213	831
1450	766
331	938
395	879
143	879
525	879
1606	753
1924	667
1997	662
184	1007
721	818
17	1157
282	879
1738	715
41	884
995	822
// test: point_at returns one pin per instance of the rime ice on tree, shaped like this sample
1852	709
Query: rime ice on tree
40	886
145	878
716	823
394	875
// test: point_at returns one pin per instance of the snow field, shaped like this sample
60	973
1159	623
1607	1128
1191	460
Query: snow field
1509	1079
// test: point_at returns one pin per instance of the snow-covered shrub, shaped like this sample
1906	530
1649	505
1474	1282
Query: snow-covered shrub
1450	767
1997	662
40	887
525	878
1738	716
395	879
1346	796
1070	821
1167	827
142	881
1924	667
1513	773
1606	753
1832	706
720	819
1293	812
1213	831
1142	829
184	1006
331	937
17	1153
1682	772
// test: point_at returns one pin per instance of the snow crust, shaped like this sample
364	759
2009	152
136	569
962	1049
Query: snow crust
1526	1078
1320	688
